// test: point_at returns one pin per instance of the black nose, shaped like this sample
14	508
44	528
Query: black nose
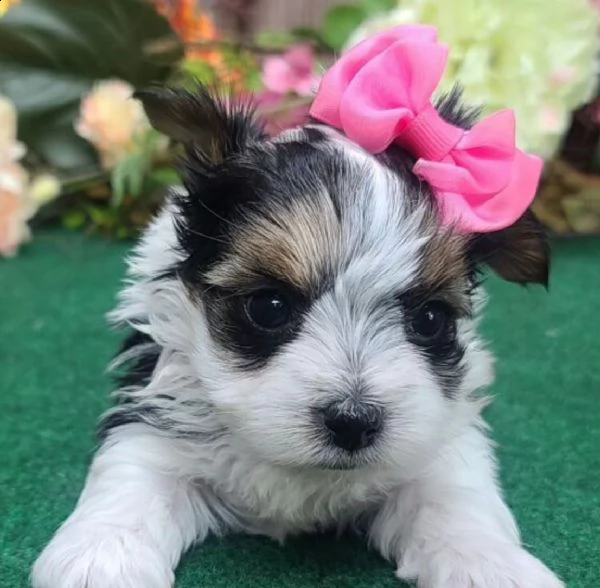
352	427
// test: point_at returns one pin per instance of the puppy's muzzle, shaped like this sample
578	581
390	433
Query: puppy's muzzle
352	427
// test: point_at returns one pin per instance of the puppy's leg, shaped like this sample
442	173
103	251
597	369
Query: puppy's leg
451	529
136	516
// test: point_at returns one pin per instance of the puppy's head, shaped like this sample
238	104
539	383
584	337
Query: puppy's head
338	314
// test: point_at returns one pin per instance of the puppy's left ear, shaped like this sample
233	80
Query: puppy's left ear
210	127
520	253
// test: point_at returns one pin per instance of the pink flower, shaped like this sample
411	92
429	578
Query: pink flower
111	121
551	119
564	75
291	72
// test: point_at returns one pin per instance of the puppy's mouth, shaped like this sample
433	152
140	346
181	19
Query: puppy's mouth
342	460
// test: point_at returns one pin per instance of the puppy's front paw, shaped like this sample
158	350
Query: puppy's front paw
84	555
476	564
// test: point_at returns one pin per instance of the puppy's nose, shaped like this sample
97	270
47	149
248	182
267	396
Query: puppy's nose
355	428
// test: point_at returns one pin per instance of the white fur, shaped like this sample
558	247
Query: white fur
246	457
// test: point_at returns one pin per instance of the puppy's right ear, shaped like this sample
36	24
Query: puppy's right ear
209	127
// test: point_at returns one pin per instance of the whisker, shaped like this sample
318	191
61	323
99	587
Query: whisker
205	236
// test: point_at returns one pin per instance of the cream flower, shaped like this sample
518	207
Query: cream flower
538	58
15	208
111	121
20	199
10	148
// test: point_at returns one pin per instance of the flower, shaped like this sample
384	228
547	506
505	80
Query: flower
6	4
111	121
10	148
289	83
504	58
291	72
15	209
43	188
20	198
193	26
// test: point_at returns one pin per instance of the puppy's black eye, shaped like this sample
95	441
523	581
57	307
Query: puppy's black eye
268	309
431	321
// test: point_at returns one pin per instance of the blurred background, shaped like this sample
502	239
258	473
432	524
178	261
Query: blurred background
75	151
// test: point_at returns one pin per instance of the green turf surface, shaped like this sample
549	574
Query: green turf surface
54	346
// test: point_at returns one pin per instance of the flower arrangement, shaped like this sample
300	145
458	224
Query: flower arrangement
89	140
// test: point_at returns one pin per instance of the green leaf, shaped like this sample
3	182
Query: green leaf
165	176
307	34
128	177
274	39
74	219
52	52
101	217
123	233
373	7
195	70
340	22
312	36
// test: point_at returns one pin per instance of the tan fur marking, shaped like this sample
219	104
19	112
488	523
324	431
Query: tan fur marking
445	267
294	244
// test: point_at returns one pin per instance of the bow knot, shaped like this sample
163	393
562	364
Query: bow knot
430	135
380	92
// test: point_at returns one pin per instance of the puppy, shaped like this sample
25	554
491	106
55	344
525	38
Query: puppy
304	355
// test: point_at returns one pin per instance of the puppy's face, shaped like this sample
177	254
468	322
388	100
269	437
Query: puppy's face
337	313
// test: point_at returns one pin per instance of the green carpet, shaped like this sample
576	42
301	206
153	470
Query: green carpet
54	346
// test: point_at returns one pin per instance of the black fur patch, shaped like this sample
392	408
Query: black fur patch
244	186
256	182
314	135
444	353
252	346
136	372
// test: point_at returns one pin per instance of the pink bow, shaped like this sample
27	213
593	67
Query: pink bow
380	92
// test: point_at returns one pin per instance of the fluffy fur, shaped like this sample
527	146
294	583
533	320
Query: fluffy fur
223	425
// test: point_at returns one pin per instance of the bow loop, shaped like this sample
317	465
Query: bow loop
387	81
479	164
380	92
